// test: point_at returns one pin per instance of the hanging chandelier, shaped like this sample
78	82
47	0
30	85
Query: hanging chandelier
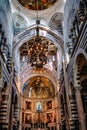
38	50
38	53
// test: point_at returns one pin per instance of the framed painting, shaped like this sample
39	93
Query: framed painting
28	118
28	105
49	105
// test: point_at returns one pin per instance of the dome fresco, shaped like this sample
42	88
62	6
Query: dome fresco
37	4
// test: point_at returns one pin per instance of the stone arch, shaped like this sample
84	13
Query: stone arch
24	86
80	51
28	34
48	74
80	61
80	72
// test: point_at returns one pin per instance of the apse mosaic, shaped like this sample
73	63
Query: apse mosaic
37	4
39	87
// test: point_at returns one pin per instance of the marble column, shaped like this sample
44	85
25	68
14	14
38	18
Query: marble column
81	114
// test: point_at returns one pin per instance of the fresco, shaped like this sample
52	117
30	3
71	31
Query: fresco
32	4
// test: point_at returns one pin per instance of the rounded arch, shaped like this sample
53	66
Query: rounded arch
80	52
79	62
30	32
38	87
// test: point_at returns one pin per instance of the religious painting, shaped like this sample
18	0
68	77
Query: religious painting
38	106
49	118
49	105
28	118
28	105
